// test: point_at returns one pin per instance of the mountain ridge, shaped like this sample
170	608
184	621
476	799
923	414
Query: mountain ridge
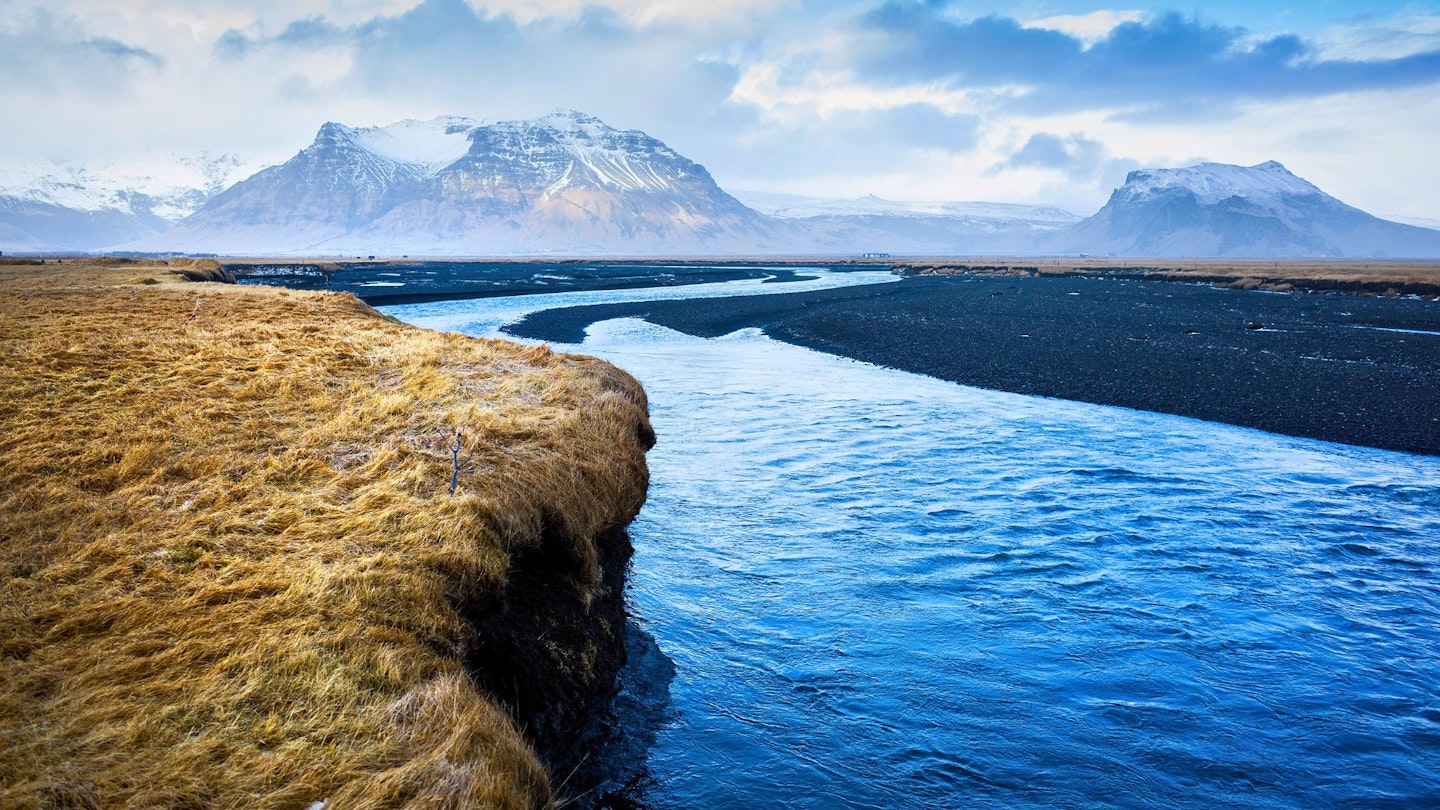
567	183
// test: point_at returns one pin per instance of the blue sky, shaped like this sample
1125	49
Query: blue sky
1047	102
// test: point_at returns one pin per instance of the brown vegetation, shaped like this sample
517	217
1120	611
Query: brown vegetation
1374	277
232	573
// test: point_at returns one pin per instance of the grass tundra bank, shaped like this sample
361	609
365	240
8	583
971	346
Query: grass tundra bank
233	573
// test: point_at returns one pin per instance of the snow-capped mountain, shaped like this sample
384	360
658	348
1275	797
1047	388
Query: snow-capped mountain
566	183
918	227
46	205
1215	209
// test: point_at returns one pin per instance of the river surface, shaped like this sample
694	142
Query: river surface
881	590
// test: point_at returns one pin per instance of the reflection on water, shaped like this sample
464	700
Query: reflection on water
882	590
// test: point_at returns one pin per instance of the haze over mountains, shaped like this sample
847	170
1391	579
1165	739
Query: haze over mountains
569	184
934	228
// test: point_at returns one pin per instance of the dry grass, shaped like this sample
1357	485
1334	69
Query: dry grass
229	559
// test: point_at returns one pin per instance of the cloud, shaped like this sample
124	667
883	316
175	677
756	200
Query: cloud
869	140
119	51
923	126
1046	151
1170	65
44	53
1088	28
909	99
1072	169
1406	35
446	50
637	12
1077	161
447	56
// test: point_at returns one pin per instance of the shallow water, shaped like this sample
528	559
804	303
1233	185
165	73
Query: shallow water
883	590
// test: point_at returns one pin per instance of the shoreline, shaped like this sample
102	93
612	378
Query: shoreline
1342	368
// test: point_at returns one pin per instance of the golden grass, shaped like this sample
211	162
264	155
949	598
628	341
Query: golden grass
229	559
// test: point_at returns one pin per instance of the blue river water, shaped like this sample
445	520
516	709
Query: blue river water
882	590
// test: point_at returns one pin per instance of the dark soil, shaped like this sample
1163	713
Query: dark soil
1325	366
549	655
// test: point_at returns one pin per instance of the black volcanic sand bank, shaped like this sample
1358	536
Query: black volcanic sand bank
1342	368
419	281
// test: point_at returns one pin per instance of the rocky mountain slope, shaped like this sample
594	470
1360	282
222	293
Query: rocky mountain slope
1219	210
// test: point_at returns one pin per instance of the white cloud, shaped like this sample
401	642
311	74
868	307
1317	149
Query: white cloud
638	12
1089	28
1387	39
824	94
766	96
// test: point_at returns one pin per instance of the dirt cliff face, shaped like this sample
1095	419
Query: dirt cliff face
549	654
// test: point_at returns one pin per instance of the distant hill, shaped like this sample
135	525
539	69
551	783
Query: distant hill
47	206
935	228
1219	210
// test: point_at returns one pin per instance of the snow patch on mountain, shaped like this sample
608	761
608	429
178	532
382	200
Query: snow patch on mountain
1211	183
437	142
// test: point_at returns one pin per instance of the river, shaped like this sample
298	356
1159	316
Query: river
872	589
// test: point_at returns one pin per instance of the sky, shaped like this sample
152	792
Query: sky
1028	102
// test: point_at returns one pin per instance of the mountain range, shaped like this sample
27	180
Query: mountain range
49	206
569	184
565	183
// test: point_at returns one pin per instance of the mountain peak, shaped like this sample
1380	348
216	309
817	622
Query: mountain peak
571	122
1212	182
561	114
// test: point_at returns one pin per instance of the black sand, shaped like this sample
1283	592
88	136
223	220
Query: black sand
1321	366
412	282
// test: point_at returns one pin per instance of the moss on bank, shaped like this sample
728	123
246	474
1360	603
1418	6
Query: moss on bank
232	573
